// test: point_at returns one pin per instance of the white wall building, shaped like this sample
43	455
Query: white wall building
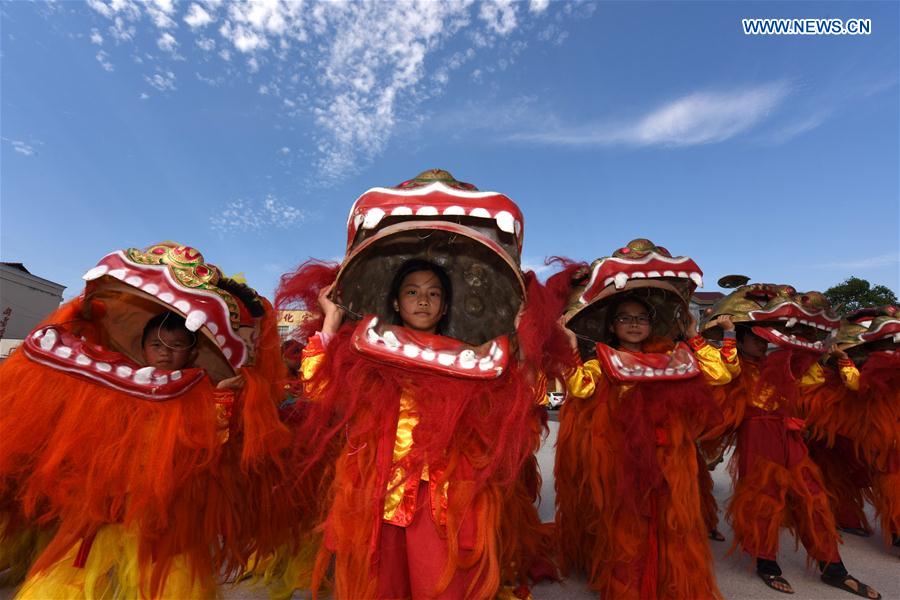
25	300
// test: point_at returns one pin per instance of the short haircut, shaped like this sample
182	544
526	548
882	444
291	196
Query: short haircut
165	321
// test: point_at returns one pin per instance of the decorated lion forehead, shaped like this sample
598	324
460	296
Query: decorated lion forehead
870	327
642	270
778	313
129	287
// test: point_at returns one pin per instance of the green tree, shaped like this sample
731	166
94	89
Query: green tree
857	293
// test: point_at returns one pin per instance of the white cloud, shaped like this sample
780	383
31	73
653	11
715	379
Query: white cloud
144	95
162	80
167	43
103	59
197	17
538	6
22	147
242	216
697	118
284	151
366	66
96	38
869	262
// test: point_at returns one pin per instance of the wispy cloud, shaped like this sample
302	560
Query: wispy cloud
869	262
22	147
358	69
703	117
243	216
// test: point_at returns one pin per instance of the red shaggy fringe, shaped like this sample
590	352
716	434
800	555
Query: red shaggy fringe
84	455
759	507
301	288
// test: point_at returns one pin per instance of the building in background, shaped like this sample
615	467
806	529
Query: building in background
288	320
701	301
25	300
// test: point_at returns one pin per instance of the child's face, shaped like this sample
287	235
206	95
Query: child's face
631	323
421	301
169	350
752	345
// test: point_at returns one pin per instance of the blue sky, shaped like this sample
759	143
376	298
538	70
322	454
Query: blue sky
247	130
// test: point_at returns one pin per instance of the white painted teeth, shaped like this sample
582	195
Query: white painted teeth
220	340
372	336
390	340
455	210
161	380
227	352
467	359
446	359
183	306
373	218
482	213
117	273
175	375
82	360
166	297
134	280
426	211
697	278
124	371
428	354
683	274
213	328
49	340
103	367
96	272
669	371
401	211
195	320
607	281
638	275
791	322
668	273
357	221
653	274
411	350
143	375
896	338
620	280
505	221
485	364
63	352
151	288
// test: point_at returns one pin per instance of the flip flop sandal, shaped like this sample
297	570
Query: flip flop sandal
771	580
716	535
840	582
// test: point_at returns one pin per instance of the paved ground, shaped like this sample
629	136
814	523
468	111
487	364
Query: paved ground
866	559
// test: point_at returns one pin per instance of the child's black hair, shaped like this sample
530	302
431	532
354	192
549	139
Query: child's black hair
415	265
165	321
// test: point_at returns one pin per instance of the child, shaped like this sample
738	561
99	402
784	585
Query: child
775	474
626	466
118	430
428	400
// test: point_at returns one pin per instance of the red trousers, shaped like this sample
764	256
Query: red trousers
412	559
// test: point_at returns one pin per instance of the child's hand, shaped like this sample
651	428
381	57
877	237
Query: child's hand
838	353
570	335
691	329
334	314
725	322
232	383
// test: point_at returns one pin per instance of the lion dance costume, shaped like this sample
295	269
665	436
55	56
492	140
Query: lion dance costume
776	481
433	483
152	483
855	420
627	493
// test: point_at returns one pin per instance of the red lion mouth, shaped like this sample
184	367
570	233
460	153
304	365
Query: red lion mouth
57	348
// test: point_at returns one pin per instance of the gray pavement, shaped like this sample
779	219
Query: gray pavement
866	558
